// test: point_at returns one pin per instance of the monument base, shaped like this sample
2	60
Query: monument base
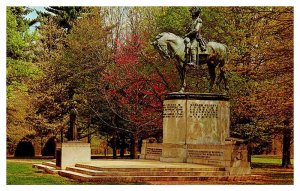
173	153
196	130
194	118
72	152
233	155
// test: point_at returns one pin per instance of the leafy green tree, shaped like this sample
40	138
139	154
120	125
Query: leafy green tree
260	40
72	63
50	99
174	19
83	62
63	15
21	72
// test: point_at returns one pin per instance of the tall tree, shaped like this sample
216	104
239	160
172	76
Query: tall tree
133	93
276	74
174	20
85	58
51	99
63	15
261	67
20	74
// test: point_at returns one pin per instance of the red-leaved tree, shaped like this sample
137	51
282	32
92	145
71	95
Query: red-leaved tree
134	91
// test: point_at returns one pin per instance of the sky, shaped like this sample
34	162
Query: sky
33	14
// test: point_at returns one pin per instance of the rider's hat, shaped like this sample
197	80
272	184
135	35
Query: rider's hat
195	10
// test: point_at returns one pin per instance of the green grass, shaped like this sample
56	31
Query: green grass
267	160
20	172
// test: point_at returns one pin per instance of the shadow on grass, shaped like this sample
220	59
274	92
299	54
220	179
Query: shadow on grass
267	165
273	173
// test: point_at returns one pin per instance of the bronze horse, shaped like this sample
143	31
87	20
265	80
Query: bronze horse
170	45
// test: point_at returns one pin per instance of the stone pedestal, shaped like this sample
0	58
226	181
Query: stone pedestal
72	152
191	118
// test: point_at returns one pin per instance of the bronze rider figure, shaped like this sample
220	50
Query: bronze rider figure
193	36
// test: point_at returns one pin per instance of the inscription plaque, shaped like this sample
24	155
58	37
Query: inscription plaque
173	111
201	111
205	154
153	151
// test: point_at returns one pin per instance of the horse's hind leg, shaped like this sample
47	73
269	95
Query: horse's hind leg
221	77
212	76
224	79
219	80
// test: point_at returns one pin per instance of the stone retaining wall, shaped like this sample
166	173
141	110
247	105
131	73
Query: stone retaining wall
151	151
232	155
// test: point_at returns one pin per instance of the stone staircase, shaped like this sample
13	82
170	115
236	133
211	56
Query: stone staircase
87	173
131	173
48	167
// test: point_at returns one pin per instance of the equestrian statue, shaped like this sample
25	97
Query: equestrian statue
193	50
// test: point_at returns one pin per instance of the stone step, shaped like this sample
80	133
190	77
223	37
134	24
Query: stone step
46	168
88	178
51	164
147	172
160	169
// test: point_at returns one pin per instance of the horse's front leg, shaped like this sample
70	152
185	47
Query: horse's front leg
182	86
212	76
182	73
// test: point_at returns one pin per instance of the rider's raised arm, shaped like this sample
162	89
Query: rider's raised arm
198	25
195	29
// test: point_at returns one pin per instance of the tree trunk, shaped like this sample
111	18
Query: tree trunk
114	147
286	148
61	134
89	129
122	146
122	152
249	148
114	153
134	146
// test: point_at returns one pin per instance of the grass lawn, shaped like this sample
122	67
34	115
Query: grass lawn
269	168
20	172
267	159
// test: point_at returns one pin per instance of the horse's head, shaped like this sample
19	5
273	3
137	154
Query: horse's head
169	45
161	45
